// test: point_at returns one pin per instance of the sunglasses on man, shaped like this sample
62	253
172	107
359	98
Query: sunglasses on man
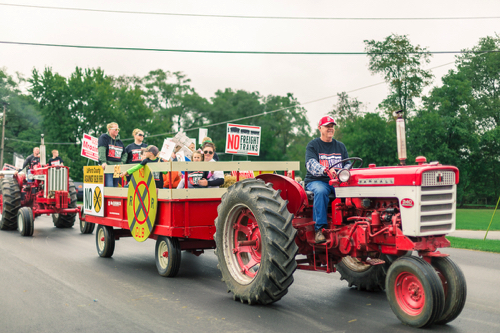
140	134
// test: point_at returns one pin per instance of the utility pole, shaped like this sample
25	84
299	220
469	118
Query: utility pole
3	134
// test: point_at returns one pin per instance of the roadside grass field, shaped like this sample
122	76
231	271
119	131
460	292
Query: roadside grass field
477	219
488	245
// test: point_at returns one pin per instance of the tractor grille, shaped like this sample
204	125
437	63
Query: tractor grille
437	210
58	180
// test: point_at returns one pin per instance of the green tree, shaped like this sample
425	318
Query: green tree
347	108
23	119
401	65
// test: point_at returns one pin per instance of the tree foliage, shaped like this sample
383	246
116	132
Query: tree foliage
401	65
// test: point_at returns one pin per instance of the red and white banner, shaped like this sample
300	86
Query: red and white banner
243	140
89	147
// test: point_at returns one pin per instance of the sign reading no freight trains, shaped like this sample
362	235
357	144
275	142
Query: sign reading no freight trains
243	140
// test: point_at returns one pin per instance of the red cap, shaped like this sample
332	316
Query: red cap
326	120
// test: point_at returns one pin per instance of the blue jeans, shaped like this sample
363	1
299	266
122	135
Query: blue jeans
110	181
321	191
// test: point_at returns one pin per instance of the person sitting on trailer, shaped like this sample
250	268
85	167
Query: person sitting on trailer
56	159
210	178
322	154
193	176
208	140
151	155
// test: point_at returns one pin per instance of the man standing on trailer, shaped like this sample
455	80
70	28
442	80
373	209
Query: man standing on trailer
55	160
111	152
322	154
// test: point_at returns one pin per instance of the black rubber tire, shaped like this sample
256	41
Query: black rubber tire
86	227
276	244
455	290
68	220
168	266
25	221
415	269
11	202
366	277
105	241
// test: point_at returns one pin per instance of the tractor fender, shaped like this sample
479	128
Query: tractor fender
290	190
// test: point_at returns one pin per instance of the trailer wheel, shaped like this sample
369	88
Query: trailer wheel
454	285
105	241
10	203
168	256
255	242
25	221
67	220
414	292
86	227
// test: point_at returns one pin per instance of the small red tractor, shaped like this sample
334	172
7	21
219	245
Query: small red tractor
385	227
35	191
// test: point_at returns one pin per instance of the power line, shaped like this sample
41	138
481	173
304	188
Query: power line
237	52
258	17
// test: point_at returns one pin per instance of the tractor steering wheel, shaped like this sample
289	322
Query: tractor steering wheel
350	166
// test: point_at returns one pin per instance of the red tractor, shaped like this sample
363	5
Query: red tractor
36	191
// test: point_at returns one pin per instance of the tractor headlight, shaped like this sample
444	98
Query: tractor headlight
344	175
30	176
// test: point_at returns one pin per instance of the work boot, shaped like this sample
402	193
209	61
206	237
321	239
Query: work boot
319	238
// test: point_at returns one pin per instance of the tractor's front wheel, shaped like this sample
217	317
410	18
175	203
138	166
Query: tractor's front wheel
10	203
67	220
414	292
168	256
25	221
255	242
105	241
86	227
454	285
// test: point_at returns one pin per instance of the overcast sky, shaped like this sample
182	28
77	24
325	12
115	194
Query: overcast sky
308	77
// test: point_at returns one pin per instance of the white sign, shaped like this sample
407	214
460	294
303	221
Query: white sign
202	133
93	199
243	140
167	149
89	147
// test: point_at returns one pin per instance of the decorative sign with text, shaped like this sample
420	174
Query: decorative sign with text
93	190
89	147
243	140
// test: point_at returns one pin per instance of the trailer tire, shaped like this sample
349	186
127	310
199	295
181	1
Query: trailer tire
67	220
25	221
260	272
455	288
415	292
10	204
86	227
168	256
105	241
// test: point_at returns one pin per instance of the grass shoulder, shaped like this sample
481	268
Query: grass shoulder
477	219
488	245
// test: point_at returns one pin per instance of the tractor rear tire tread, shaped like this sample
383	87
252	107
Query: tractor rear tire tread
278	263
11	196
68	220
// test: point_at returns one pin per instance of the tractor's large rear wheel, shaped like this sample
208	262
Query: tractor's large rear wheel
415	292
255	242
10	203
67	220
454	285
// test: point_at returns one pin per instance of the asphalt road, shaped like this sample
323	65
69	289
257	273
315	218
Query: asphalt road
56	282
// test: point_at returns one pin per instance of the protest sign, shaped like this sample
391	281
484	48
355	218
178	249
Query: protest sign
243	140
89	147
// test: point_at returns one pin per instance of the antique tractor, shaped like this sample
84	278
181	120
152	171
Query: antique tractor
386	225
36	191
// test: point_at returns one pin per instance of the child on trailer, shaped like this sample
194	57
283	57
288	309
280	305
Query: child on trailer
193	176
150	155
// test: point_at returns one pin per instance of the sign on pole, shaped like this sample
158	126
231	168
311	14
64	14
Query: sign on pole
202	133
89	147
93	190
243	140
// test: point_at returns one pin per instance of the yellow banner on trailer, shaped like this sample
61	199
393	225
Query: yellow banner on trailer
141	204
